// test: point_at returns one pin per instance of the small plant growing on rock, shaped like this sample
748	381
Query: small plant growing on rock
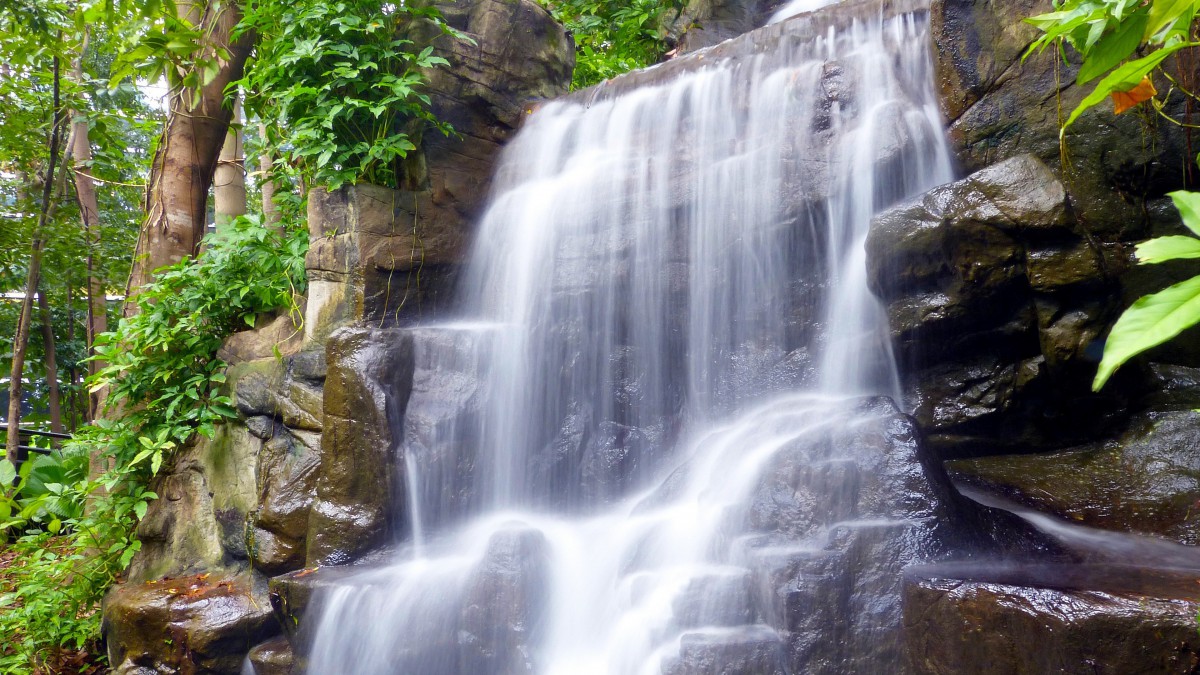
1124	43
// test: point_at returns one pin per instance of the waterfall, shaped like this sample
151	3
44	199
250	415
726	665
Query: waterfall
654	420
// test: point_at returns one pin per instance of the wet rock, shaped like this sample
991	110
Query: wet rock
1147	481
441	437
267	388
288	466
840	515
203	624
744	651
367	386
615	454
273	657
716	600
502	605
1020	623
997	304
999	107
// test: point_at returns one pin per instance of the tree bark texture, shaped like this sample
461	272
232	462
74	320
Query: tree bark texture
183	165
25	318
229	181
89	214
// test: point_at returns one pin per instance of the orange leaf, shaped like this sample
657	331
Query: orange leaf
1124	100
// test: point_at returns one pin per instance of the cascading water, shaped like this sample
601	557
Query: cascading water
650	432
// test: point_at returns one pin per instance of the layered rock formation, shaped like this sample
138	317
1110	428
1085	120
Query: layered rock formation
303	478
1000	288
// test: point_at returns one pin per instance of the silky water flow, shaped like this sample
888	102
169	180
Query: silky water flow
644	439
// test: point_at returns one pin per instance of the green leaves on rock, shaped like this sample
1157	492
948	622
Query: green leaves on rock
339	89
1157	317
1107	33
1124	78
1149	322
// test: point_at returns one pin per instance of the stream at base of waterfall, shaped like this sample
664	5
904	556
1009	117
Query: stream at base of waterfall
662	437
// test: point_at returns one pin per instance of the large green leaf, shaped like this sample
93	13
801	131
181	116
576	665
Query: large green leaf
1165	12
1149	322
1162	249
1113	48
1188	204
1124	78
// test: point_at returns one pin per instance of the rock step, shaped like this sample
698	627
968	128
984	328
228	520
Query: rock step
719	599
742	650
273	657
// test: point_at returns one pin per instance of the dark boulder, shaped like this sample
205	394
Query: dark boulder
997	300
1016	619
203	624
1147	481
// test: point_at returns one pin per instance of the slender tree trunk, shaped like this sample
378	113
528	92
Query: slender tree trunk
229	180
89	214
56	419
183	166
271	215
21	340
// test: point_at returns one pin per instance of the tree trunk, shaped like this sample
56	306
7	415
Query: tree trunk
183	166
21	339
56	419
89	214
271	215
229	181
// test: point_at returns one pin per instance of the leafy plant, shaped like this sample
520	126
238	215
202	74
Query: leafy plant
1108	35
165	377
1156	318
339	89
613	36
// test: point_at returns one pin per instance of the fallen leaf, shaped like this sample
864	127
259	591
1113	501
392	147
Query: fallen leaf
1124	100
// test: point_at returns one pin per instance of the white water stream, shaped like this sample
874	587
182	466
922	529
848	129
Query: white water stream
668	289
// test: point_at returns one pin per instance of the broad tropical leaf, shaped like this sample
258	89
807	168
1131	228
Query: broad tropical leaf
1162	249
1113	48
1149	322
1124	78
1188	204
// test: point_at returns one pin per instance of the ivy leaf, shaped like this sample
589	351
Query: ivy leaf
1165	12
1149	322
1124	100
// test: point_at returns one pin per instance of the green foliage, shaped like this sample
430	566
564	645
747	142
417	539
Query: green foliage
161	364
1156	318
339	90
614	36
1109	33
165	377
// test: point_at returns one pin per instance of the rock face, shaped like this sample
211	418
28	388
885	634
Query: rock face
383	255
304	476
202	624
1030	626
999	107
997	301
1145	482
844	579
366	391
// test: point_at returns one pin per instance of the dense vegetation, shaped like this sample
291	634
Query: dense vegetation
94	169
